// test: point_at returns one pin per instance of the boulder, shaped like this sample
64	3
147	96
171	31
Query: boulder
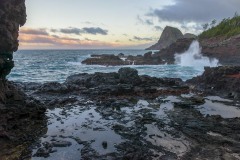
129	76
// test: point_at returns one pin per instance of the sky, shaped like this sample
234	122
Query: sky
115	24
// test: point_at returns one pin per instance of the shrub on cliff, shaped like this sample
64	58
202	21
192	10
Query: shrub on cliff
227	27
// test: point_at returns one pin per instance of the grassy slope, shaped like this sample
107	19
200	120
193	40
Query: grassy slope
227	28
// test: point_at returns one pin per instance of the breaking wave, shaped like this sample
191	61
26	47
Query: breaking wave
194	58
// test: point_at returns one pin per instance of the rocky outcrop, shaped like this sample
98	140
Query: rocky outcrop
222	81
12	15
189	35
143	111
180	46
125	83
169	36
104	59
22	120
21	117
227	50
113	60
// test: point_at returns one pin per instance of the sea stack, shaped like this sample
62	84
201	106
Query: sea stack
169	36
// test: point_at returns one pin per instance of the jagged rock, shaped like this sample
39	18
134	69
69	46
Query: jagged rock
112	60
222	81
12	15
169	36
226	50
104	60
22	118
129	76
180	46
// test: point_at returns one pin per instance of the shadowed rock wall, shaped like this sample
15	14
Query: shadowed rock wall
12	16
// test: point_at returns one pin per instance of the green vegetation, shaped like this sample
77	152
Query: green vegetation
227	27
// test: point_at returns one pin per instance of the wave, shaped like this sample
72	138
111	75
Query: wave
194	58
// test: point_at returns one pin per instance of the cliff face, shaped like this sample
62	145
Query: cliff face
21	117
226	50
169	36
12	15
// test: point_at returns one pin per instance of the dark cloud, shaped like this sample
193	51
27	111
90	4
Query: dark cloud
95	30
145	21
34	31
76	31
158	28
200	11
54	30
142	39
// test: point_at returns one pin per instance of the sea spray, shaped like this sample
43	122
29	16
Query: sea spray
194	58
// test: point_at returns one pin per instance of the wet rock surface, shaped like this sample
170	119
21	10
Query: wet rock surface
105	116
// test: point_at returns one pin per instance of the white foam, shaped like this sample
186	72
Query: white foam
194	58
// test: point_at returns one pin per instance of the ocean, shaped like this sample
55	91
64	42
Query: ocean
56	65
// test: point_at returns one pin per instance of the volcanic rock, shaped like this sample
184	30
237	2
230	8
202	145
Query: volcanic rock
129	76
189	35
226	50
180	46
12	15
21	117
222	81
112	60
169	36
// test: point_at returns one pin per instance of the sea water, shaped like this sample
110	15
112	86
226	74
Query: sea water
56	65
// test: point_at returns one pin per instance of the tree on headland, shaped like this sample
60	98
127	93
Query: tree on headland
213	23
205	26
236	14
227	27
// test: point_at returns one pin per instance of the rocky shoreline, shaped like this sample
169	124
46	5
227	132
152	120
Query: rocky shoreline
116	115
147	117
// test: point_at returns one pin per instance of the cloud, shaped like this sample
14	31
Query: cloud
142	39
95	30
200	11
28	41
158	28
145	21
40	31
76	31
79	31
42	40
